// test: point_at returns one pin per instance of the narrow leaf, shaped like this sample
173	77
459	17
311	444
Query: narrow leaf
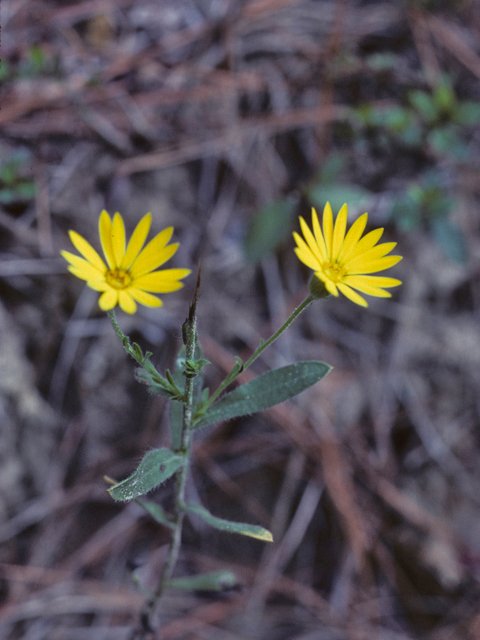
157	513
153	386
265	391
156	467
252	530
215	581
338	194
450	240
269	229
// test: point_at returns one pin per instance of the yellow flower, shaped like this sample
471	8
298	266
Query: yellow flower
129	275
341	261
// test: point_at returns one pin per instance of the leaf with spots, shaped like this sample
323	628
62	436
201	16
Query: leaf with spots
157	466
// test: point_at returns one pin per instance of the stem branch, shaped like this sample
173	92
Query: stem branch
233	375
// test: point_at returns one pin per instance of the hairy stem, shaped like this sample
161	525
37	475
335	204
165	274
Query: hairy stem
190	338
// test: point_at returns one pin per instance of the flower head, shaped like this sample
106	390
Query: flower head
129	275
342	261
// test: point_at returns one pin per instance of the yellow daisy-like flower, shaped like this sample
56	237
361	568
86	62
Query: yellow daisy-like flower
342	261
129	274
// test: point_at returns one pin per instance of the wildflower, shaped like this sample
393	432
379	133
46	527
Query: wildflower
342	261
129	274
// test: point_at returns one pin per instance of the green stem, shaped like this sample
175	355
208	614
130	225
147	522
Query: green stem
190	333
301	307
233	375
125	339
116	326
144	360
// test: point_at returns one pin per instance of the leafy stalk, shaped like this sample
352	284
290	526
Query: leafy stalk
151	376
190	340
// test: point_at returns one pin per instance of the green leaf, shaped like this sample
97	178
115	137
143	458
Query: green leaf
450	239
265	391
337	195
467	113
157	513
448	141
215	581
147	379
407	212
444	97
8	173
7	195
382	61
270	227
252	530
25	190
425	105
36	59
157	466
332	168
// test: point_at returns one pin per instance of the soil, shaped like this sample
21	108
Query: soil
228	120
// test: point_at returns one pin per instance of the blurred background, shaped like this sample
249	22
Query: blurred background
228	119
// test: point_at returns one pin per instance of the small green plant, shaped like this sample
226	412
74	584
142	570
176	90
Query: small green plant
436	118
427	204
341	262
35	63
15	184
435	125
445	118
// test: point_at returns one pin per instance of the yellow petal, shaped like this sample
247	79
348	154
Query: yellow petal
86	249
330	286
98	285
83	274
105	231
328	229
376	265
137	240
154	255
373	281
339	231
118	239
126	302
108	300
366	243
352	295
77	273
352	237
381	250
145	298
90	270
361	283
310	241
304	254
161	281
319	236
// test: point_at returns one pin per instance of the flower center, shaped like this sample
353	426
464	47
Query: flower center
334	271
118	278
